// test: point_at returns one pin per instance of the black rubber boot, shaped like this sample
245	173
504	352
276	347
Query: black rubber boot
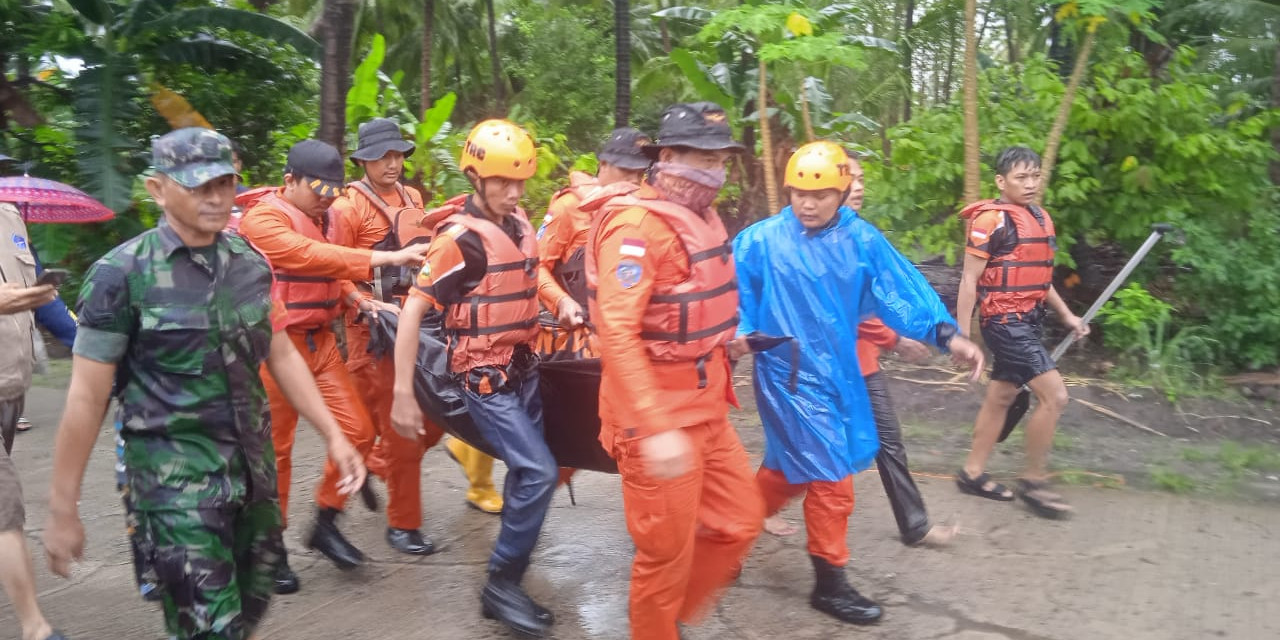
326	539
503	599
833	596
286	581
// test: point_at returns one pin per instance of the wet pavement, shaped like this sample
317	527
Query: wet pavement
1129	565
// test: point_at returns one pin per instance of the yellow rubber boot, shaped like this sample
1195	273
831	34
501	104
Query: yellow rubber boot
478	467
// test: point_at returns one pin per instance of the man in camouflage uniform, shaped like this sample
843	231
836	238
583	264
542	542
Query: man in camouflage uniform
179	319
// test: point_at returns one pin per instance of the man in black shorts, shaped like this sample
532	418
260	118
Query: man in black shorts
1008	274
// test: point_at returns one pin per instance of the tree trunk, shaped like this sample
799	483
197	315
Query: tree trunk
335	70
972	179
1064	112
622	63
1275	130
909	23
950	69
766	142
805	117
495	65
1010	35
428	35
666	33
14	103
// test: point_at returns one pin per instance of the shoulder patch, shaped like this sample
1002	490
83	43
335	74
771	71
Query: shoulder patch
424	275
629	273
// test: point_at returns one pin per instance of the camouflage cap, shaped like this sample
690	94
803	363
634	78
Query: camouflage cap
192	156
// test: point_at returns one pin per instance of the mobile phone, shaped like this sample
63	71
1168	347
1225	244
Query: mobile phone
53	277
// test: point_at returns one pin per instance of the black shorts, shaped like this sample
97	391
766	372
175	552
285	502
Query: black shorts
1019	353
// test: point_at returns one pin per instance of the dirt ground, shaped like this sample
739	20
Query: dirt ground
1135	562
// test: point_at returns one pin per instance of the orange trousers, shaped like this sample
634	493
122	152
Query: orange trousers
320	349
691	533
395	459
827	507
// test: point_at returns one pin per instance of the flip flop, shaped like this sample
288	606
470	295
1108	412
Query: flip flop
24	425
976	486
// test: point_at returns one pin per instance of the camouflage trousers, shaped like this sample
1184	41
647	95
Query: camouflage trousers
214	567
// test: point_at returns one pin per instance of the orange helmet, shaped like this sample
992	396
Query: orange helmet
499	149
819	165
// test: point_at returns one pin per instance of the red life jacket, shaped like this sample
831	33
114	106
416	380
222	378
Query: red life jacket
406	227
1019	281
687	320
501	312
310	302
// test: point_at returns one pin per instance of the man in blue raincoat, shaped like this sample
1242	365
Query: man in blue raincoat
814	272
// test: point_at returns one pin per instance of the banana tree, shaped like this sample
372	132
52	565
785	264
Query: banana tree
738	47
123	43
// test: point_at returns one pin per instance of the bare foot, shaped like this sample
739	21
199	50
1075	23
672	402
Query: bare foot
778	526
940	535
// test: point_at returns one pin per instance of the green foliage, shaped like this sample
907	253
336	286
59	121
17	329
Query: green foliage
1140	327
1172	481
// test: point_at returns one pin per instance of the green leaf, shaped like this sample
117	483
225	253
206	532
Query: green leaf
105	97
95	11
362	97
697	76
258	24
435	117
696	14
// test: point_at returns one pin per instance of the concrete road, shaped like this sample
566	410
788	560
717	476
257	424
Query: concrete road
1130	565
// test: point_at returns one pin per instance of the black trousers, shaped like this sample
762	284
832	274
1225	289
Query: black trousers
904	496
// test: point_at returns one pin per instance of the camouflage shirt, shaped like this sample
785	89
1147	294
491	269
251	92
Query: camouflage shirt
188	329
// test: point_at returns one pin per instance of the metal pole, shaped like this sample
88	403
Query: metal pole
1157	231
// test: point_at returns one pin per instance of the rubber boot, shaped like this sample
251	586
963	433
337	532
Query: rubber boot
504	600
833	596
328	540
478	468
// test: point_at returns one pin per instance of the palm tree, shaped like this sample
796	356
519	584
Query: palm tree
495	65
428	27
337	31
622	63
972	179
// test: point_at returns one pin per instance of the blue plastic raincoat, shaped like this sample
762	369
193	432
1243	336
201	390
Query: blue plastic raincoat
817	287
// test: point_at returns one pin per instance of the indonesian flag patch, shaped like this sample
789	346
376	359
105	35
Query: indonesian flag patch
633	247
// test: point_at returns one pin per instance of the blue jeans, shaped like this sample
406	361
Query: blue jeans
511	420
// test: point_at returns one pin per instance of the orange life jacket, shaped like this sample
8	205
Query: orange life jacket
1019	281
501	312
406	228
243	203
686	320
310	302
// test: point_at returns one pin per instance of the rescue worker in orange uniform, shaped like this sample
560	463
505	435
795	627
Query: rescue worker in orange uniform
562	239
813	273
664	307
1008	275
367	217
481	273
312	279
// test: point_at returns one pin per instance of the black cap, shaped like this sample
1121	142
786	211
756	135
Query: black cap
377	137
625	149
319	164
698	125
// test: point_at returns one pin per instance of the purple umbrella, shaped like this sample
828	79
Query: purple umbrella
46	201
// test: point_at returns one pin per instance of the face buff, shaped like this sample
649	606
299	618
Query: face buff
691	187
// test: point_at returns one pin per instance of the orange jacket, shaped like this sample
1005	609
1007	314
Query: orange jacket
1018	281
359	222
638	254
293	244
564	231
873	336
502	311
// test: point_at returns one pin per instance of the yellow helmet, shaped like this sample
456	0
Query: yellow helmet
819	165
499	149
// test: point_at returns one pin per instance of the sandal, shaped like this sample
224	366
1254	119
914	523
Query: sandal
977	487
23	425
1042	501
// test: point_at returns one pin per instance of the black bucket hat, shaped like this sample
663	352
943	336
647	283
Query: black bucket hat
625	149
698	125
319	164
378	136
